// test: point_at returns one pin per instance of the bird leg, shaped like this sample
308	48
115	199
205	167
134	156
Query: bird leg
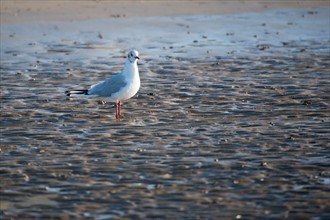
118	110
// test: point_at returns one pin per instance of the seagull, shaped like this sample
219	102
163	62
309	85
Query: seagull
117	88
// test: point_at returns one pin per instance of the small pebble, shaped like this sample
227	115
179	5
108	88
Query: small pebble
307	102
230	34
101	102
263	164
263	46
100	36
291	138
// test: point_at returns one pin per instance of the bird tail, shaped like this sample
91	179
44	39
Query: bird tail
77	92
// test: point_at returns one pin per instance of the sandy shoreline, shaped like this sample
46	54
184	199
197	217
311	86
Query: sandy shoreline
17	11
231	120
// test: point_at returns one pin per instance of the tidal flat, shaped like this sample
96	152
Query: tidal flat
231	121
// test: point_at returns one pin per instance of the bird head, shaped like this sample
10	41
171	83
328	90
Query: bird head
133	56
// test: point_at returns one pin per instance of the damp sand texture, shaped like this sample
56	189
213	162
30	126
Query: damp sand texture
231	121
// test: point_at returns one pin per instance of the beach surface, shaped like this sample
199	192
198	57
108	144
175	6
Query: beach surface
37	11
231	121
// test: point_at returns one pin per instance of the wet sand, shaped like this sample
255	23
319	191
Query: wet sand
35	10
231	121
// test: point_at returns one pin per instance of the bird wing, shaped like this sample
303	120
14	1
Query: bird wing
109	86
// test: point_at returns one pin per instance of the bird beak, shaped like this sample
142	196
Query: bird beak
137	57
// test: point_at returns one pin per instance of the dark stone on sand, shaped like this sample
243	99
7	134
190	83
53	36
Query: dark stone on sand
263	46
307	102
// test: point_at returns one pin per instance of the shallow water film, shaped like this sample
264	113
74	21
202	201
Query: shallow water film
211	136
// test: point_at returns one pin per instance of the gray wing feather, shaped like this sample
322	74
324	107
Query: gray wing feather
109	86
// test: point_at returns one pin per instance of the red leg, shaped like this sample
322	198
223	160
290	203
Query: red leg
118	110
117	115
